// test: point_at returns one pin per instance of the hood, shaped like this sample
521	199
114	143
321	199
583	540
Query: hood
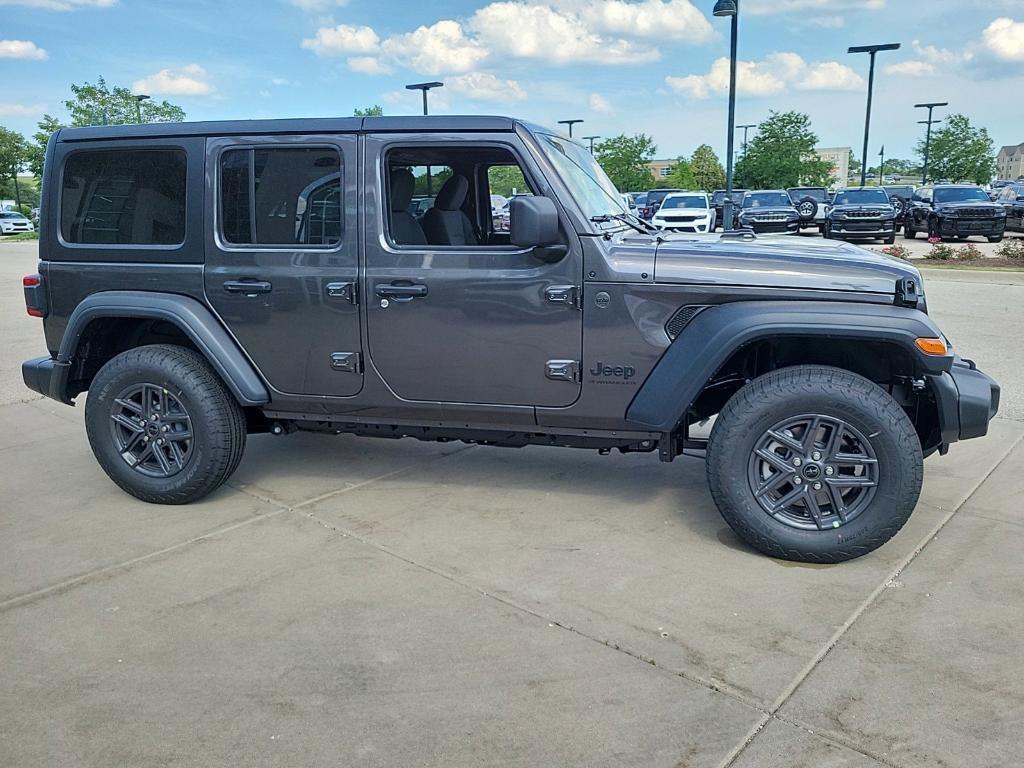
965	204
777	261
768	209
876	208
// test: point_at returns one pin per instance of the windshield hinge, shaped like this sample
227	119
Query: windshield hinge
906	292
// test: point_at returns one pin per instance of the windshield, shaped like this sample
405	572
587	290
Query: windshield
961	195
586	180
688	201
11	215
767	200
862	197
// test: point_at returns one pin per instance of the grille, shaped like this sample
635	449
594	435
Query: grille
977	213
680	219
863	226
863	215
682	318
771	217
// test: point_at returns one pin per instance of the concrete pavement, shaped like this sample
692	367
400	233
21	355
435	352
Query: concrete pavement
349	601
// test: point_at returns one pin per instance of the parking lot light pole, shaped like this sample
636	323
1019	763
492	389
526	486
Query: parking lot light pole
569	123
881	165
424	87
871	49
746	127
730	8
139	98
928	133
591	140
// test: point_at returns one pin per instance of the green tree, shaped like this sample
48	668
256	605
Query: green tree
681	176
960	152
506	179
782	155
625	158
37	148
98	104
707	168
13	154
375	111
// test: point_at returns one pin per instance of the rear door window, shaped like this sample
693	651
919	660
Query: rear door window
124	197
281	197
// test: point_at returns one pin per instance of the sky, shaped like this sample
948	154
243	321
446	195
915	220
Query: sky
624	66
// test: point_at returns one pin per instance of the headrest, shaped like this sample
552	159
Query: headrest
452	194
402	185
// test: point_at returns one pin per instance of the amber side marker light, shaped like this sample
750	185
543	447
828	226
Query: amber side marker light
932	346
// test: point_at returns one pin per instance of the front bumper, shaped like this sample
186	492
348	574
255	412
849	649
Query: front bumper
967	401
964	227
841	228
47	377
765	227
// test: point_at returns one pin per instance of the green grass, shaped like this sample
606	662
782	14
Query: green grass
19	236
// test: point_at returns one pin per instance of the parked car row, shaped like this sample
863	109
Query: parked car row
945	211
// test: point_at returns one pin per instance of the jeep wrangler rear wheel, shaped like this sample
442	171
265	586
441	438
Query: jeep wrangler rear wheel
162	425
814	464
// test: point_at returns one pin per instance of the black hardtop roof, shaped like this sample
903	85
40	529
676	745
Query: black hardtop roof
415	123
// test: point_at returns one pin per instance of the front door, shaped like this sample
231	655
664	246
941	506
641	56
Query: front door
282	257
454	312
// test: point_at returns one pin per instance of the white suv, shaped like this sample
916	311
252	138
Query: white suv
12	222
685	212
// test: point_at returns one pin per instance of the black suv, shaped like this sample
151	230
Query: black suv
1011	197
718	201
861	213
205	282
948	211
900	195
769	210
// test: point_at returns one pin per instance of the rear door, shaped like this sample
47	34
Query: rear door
282	257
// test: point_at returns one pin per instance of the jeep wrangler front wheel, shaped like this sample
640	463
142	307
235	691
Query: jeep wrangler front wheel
814	464
162	425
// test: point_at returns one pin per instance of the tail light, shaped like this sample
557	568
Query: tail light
35	295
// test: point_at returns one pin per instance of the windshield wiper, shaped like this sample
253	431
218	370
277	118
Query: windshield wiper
634	222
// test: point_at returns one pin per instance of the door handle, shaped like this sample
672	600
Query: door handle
248	287
401	291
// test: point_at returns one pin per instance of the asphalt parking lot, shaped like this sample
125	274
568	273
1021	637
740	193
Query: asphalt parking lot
347	601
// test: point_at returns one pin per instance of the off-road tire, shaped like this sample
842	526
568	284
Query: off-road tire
834	392
216	420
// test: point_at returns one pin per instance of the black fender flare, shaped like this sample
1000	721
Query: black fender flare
187	314
717	332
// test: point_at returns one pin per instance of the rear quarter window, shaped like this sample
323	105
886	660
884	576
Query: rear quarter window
124	197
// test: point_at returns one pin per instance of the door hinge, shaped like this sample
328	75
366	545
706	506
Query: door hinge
563	294
347	362
563	370
346	291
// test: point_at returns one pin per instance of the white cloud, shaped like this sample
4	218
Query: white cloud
60	5
911	68
533	31
775	74
279	81
368	65
439	48
342	40
21	49
828	22
21	110
1004	37
483	86
190	80
599	103
604	32
769	7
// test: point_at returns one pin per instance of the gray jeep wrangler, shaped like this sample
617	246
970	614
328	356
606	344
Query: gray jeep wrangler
207	281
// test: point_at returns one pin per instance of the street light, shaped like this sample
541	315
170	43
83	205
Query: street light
138	106
591	140
569	123
928	135
730	8
424	87
746	128
881	165
871	49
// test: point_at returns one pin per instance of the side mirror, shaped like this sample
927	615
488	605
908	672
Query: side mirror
533	222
